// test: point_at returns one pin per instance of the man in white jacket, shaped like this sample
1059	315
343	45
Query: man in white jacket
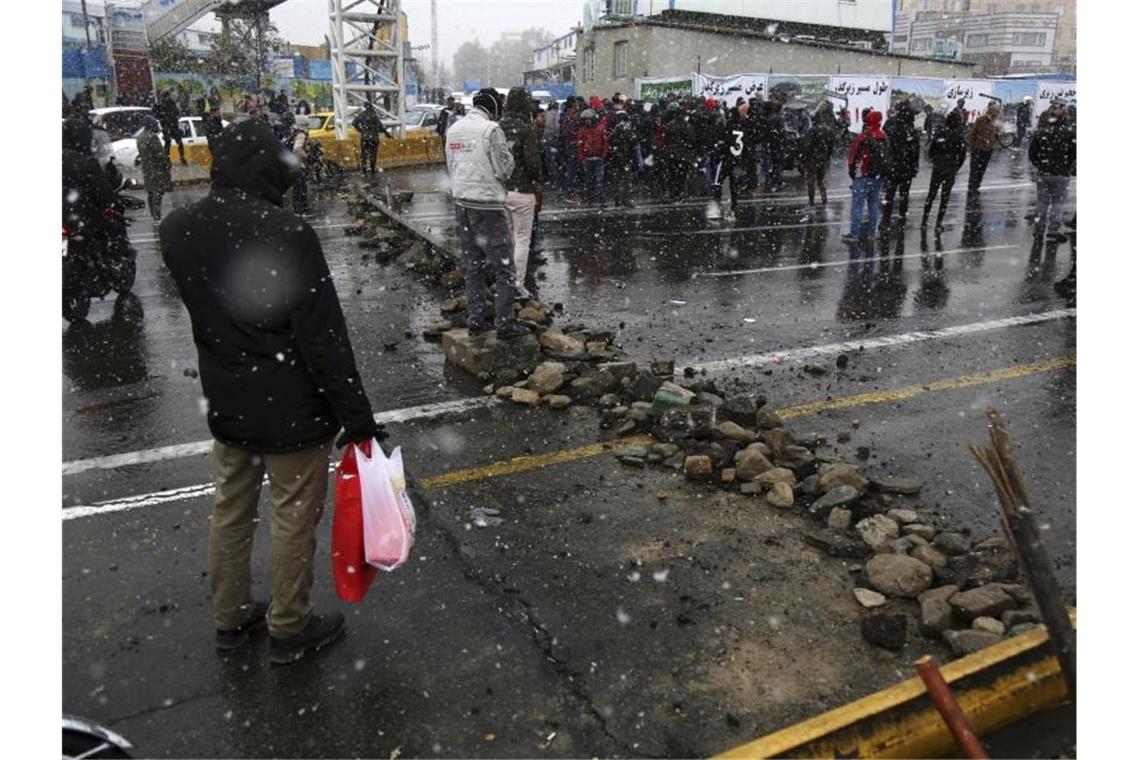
478	162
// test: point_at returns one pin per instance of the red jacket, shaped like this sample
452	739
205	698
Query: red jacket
592	142
874	124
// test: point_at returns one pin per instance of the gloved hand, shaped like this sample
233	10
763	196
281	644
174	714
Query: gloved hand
360	435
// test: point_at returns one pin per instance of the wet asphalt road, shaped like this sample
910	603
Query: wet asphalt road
510	641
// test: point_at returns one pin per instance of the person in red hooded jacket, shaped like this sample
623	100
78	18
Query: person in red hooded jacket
866	166
593	148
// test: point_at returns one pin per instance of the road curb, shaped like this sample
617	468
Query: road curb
999	685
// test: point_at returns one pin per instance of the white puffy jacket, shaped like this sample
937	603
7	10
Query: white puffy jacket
478	161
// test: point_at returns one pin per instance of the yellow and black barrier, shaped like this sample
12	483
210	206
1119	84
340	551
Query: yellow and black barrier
414	150
995	687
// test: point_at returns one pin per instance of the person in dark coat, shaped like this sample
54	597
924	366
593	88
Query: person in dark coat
167	113
947	153
279	377
819	144
1053	152
155	164
212	126
370	126
1024	119
525	182
904	145
621	163
87	194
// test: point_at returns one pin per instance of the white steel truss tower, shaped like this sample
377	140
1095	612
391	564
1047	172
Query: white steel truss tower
366	34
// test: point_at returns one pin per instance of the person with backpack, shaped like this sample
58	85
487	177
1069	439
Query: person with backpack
865	165
947	153
819	144
904	144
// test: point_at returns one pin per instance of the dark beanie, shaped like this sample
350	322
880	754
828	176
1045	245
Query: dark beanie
488	100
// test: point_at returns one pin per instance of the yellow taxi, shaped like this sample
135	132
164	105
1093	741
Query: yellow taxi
418	148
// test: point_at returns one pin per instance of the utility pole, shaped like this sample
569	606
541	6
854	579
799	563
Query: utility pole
434	45
87	21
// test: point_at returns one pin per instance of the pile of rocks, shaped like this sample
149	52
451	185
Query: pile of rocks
385	240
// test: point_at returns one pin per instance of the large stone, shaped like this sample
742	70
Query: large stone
698	467
889	484
917	529
750	463
989	625
642	386
671	395
555	401
838	544
968	642
839	518
1010	618
779	439
935	616
525	396
547	377
989	600
664	450
834	475
554	340
777	475
488	354
684	422
903	516
877	530
751	489
591	386
662	367
767	419
837	497
885	629
869	598
929	555
735	432
951	543
741	410
781	496
527	314
938	592
620	369
898	575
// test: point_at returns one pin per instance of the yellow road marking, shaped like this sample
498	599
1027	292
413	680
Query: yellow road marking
538	461
910	391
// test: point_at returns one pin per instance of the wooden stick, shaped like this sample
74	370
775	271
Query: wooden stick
1021	528
950	710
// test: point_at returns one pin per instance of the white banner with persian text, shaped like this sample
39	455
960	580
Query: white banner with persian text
857	93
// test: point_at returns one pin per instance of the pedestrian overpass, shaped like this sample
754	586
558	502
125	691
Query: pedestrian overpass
364	33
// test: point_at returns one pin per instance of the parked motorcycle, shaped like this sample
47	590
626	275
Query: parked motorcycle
95	263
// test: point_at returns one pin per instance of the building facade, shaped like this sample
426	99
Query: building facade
1006	34
612	55
553	64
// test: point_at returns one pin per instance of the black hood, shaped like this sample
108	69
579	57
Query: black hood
248	157
77	134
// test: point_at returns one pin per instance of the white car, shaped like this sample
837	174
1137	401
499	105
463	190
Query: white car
118	121
126	151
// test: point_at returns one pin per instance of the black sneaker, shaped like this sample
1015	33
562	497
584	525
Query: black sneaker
237	637
511	331
317	633
849	238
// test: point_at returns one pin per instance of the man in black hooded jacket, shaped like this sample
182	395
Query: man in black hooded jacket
279	377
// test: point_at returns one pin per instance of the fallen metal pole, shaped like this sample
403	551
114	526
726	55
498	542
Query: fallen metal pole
949	709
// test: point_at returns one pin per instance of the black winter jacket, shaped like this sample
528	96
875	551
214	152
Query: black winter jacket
947	148
1053	148
523	141
905	146
276	364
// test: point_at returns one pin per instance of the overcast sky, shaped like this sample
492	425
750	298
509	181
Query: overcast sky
305	22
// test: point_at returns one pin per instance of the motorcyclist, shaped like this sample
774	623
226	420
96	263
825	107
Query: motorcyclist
87	194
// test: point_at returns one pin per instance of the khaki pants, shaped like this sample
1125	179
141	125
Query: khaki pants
297	483
520	210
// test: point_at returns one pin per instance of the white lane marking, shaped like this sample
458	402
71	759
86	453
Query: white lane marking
177	451
796	354
852	261
556	214
154	238
887	341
